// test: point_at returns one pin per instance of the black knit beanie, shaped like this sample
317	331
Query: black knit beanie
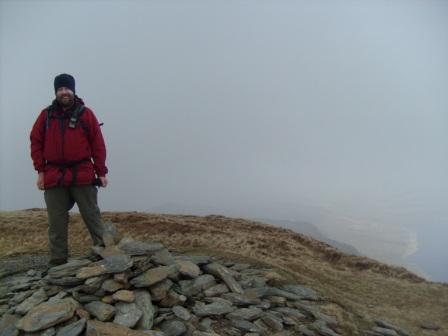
64	80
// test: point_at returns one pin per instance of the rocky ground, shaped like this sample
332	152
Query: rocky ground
245	285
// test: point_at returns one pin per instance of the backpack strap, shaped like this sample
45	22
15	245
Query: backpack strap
75	116
49	115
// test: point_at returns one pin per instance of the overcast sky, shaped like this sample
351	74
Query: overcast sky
332	111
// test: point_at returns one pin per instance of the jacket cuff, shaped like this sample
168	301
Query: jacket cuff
101	171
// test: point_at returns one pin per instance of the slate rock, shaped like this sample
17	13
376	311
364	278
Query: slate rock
216	290
244	325
73	329
124	295
96	328
102	311
20	297
110	264
173	328
65	281
263	327
47	315
387	325
35	299
132	247
259	292
241	300
330	320
153	276
111	285
310	310
69	269
160	289
277	301
224	274
291	312
245	314
53	290
273	291
58	297
305	331
111	236
84	298
196	286
121	278
322	328
4	292
162	317
188	268
141	265
204	282
205	324
127	314
181	313
144	303
186	288
385	331
272	322
163	257
197	259
48	332
91	285
82	313
91	271
252	282
172	299
215	308
303	292
8	325
264	305
116	263
205	333
4	309
21	287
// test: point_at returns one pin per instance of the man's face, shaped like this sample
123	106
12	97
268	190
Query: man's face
65	97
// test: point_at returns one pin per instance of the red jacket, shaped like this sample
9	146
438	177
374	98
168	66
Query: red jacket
68	156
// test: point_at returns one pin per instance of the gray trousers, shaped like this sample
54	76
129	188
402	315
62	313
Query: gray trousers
59	201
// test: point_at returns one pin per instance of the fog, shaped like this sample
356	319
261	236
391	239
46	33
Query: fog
330	112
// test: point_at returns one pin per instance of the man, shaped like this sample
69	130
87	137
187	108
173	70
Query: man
69	154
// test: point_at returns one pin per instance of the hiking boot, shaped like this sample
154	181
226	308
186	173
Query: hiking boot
53	263
56	262
92	256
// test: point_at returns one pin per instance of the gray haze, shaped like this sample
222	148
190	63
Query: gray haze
332	112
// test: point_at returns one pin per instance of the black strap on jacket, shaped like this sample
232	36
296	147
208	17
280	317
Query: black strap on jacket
76	114
73	165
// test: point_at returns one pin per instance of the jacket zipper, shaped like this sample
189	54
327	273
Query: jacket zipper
62	126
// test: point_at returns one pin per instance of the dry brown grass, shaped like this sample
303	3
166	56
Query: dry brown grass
358	289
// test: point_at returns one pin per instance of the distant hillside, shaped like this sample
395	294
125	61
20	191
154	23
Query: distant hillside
360	289
303	227
311	230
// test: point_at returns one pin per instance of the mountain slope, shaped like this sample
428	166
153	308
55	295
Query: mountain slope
363	287
311	230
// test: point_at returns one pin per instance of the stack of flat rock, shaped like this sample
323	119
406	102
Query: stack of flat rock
140	288
383	328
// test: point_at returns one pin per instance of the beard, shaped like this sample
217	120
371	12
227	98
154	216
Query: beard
65	100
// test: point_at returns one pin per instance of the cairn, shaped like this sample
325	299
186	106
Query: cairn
141	288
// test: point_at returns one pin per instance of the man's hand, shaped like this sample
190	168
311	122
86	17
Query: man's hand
104	181
40	181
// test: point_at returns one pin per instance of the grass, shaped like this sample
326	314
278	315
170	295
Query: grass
358	289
